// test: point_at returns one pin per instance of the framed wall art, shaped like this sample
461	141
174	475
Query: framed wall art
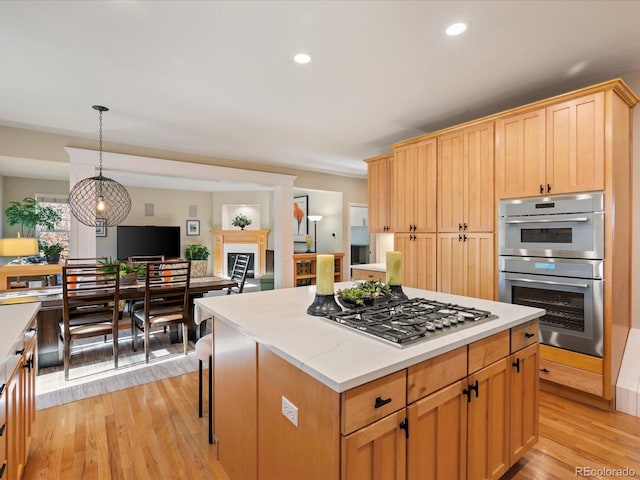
101	227
193	227
300	218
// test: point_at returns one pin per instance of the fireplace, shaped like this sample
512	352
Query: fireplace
239	241
231	259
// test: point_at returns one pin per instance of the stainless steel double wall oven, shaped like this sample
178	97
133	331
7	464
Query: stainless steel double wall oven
551	253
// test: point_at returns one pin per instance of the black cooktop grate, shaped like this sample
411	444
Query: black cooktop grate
410	321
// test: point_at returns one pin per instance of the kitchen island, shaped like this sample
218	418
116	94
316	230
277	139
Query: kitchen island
298	396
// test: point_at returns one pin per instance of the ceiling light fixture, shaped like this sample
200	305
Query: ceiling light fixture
302	58
456	29
99	201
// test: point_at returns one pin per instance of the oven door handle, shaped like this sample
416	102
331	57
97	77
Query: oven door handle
549	282
548	220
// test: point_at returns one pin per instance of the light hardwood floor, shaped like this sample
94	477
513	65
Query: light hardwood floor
152	432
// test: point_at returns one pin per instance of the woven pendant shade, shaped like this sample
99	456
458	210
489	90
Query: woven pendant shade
99	201
83	200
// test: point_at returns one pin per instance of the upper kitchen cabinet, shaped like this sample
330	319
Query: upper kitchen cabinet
520	155
575	145
465	180
415	178
380	191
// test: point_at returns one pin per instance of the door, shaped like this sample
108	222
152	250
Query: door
480	265
359	234
419	259
437	447
451	182
479	212
451	263
380	177
524	401
377	451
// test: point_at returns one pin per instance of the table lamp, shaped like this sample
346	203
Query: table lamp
324	301
18	247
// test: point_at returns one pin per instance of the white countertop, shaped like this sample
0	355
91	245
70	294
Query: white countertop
14	320
337	356
376	267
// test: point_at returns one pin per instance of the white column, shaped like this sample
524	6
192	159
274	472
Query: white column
82	239
283	236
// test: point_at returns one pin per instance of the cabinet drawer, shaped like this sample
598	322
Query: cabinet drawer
488	350
435	373
372	401
571	377
524	335
361	274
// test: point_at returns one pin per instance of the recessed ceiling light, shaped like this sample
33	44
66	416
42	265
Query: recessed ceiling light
456	29
302	58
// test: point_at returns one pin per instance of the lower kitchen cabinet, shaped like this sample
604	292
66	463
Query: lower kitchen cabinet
376	451
525	382
419	259
438	443
465	264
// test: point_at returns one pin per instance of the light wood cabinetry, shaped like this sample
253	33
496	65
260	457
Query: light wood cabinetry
380	193
524	401
520	155
19	399
466	264
415	178
465	180
304	268
363	274
419	259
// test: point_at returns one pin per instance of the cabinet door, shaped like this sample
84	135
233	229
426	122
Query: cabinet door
520	155
380	178
377	451
524	401
426	178
478	178
450	182
575	145
488	422
15	426
424	261
29	385
437	446
479	265
450	264
403	242
405	186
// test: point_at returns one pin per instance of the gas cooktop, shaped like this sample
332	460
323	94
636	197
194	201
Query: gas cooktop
409	321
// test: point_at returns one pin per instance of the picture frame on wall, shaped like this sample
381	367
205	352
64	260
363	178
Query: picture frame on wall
193	227
101	227
300	218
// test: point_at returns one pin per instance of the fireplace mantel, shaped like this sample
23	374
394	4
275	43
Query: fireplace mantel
258	237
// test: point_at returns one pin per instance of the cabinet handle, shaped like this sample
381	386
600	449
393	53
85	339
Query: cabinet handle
464	238
541	189
459	226
517	365
2	388
464	226
20	352
529	335
2	429
467	391
459	237
548	188
381	402
404	425
544	370
3	468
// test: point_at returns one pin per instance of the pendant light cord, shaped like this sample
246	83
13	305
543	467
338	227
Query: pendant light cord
100	123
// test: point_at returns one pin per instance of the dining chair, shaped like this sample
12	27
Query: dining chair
239	273
90	306
166	301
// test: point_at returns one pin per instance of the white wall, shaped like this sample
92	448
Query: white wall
331	206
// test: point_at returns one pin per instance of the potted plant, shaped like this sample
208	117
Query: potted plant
241	220
363	294
199	256
128	273
51	251
28	214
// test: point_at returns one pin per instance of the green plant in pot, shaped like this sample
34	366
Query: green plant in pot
199	256
28	214
128	273
363	294
241	220
51	251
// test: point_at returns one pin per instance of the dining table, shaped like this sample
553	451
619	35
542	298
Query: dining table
50	350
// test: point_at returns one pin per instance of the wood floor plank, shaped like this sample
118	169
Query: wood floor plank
153	432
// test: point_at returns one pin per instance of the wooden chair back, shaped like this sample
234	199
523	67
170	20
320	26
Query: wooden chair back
90	294
167	287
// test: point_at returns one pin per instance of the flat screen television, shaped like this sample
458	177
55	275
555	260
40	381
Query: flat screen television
148	240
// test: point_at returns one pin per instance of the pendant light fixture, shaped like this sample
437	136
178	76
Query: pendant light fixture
99	201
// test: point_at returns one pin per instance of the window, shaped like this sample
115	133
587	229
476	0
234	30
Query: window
60	233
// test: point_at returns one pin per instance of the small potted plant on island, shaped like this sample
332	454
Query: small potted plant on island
199	256
241	220
51	251
128	273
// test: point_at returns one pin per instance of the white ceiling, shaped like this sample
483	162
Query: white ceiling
216	78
